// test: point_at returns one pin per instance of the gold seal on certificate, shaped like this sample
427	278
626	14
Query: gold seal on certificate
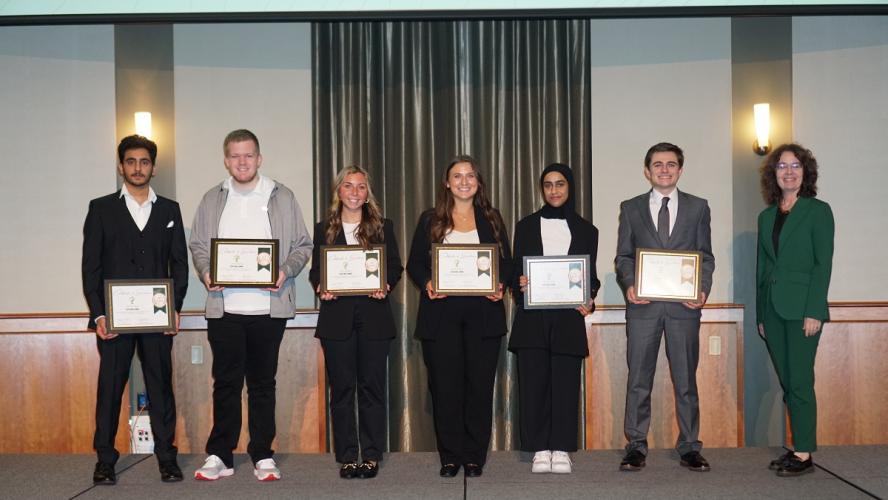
465	269
556	282
243	263
139	306
352	269
667	275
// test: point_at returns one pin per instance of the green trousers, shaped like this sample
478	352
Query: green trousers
793	356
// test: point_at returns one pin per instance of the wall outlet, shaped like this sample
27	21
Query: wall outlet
715	345
197	355
141	439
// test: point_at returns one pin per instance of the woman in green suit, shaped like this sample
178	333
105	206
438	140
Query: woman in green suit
795	250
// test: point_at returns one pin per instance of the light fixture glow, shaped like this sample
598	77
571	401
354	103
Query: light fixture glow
143	123
762	114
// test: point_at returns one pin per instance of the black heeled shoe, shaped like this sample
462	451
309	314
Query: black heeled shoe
349	470
449	470
368	469
474	470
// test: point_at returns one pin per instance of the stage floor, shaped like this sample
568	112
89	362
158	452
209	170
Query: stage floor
842	473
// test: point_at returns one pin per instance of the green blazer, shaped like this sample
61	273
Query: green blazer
797	281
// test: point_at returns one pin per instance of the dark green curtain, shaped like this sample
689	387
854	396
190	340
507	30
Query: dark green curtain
401	99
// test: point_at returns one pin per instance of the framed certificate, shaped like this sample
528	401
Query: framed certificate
556	282
139	306
465	269
667	275
243	263
352	269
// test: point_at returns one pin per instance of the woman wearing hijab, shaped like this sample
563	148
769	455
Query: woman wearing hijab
461	336
795	251
551	344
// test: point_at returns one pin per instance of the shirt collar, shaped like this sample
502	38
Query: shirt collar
124	192
657	198
263	187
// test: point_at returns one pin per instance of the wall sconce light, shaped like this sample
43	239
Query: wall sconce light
143	123
762	114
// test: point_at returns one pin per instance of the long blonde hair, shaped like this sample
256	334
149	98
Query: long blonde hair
370	229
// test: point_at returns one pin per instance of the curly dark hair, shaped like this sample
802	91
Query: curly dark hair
771	192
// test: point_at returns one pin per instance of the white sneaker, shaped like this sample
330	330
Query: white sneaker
213	468
561	463
542	462
266	470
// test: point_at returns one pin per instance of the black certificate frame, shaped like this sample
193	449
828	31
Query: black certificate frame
327	249
166	284
583	260
216	243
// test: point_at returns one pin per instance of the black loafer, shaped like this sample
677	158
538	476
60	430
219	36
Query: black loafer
694	461
104	474
449	470
633	461
796	467
780	461
170	471
473	470
349	470
368	469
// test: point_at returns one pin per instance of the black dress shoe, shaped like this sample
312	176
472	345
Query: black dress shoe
780	461
368	469
170	471
473	470
633	461
104	474
796	467
449	470
349	470
694	461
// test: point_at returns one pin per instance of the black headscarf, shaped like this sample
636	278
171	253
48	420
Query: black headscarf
567	209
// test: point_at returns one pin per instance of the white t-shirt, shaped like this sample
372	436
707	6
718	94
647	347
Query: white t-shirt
246	216
456	237
349	229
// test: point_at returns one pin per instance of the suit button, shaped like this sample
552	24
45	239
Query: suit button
142	252
141	268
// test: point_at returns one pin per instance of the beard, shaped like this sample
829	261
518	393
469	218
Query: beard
137	181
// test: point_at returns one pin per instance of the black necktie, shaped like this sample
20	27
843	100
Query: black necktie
663	221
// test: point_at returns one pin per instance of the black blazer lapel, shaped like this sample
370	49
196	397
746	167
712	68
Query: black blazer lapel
534	242
485	231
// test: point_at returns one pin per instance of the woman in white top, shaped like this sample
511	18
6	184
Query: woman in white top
551	343
461	336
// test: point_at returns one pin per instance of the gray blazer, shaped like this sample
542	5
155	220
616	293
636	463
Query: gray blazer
637	230
287	226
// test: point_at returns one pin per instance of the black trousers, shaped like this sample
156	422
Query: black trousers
548	399
461	365
244	347
115	359
357	364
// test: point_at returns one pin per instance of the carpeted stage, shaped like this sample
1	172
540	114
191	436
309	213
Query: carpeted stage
842	473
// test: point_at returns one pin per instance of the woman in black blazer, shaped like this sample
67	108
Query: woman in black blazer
461	336
356	331
551	344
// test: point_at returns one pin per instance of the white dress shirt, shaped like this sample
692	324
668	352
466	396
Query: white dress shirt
349	229
139	213
656	201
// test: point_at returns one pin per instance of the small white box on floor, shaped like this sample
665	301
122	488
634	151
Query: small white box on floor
141	438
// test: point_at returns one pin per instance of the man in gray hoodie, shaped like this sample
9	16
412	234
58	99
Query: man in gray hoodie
245	326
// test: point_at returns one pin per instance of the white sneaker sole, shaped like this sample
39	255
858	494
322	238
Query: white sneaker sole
201	476
266	476
559	470
540	470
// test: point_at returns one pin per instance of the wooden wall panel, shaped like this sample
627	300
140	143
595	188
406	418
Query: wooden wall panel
48	398
300	398
851	383
719	382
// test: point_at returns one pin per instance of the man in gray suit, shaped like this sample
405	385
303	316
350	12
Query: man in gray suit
663	218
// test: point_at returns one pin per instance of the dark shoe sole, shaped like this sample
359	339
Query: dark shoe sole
631	468
786	473
106	482
171	479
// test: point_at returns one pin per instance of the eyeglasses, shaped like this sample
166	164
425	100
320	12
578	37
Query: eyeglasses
783	166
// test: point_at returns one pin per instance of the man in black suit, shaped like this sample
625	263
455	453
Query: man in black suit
663	218
134	234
